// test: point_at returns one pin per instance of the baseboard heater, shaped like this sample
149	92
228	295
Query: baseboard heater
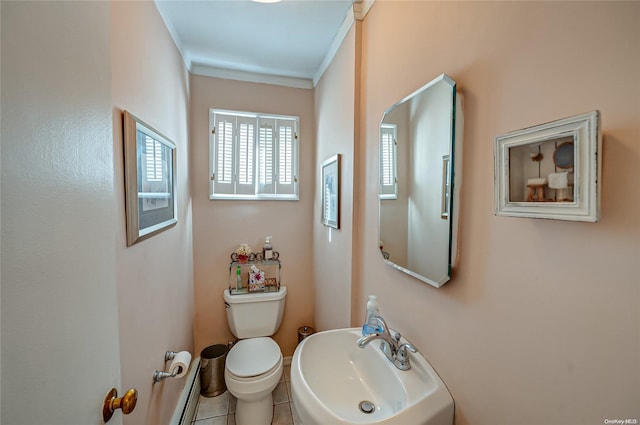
188	402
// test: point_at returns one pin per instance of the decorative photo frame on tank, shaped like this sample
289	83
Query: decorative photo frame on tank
551	170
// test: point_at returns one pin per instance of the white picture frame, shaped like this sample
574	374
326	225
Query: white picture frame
551	170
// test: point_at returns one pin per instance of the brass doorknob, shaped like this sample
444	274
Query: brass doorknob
112	402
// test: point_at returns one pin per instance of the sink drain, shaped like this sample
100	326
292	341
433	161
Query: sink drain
367	407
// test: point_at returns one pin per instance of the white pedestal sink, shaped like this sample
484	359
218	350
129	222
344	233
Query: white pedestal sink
331	377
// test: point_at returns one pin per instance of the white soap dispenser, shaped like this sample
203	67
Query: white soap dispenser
267	251
371	325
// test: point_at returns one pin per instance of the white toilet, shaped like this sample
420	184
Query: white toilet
254	364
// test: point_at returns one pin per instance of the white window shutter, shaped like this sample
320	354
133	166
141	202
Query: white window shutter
287	159
388	170
245	157
223	170
266	155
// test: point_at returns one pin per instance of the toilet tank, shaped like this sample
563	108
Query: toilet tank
255	314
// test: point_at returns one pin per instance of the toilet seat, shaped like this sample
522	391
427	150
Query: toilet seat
253	357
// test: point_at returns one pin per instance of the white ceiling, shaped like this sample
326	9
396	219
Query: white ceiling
236	38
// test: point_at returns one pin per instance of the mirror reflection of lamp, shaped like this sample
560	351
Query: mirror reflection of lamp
535	186
536	155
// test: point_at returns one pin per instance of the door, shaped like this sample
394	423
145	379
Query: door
60	352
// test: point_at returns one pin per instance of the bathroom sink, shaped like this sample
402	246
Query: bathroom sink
333	381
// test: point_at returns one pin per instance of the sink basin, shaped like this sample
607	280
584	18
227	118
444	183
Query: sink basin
331	377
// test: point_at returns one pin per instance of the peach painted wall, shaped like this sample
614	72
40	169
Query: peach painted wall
221	225
335	110
541	321
155	276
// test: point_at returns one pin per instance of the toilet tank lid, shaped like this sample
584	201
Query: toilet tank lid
253	357
255	296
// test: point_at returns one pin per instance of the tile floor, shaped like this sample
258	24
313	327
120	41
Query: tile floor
221	410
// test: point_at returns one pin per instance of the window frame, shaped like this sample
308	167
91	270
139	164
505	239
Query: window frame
276	190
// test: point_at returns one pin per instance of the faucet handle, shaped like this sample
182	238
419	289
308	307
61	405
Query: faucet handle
406	346
395	335
402	359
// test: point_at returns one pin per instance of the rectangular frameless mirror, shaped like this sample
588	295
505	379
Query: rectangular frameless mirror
420	172
550	170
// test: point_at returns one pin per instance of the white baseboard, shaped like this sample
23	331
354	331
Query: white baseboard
188	402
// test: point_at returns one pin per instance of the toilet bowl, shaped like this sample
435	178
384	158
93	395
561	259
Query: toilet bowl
253	370
254	365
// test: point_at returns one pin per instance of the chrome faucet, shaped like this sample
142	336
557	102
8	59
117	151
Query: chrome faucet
390	345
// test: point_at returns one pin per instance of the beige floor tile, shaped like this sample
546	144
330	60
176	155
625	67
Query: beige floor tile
209	407
282	415
296	417
280	394
233	401
232	419
287	373
221	410
218	420
289	391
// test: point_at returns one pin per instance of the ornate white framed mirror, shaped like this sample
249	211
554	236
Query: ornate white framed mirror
551	170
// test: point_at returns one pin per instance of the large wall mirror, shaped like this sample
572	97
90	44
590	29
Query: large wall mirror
420	172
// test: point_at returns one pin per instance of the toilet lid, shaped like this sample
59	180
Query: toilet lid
253	357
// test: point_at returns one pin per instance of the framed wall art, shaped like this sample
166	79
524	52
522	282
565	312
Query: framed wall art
330	180
150	183
551	170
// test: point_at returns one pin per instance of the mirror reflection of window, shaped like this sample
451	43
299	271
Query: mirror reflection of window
388	161
154	184
153	159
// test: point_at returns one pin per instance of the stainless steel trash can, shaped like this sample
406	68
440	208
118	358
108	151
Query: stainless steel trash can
212	365
304	332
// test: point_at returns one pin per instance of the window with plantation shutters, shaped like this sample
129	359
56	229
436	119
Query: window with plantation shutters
253	156
388	171
153	163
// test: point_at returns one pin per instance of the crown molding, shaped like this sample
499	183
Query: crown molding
335	45
357	12
252	77
361	8
174	37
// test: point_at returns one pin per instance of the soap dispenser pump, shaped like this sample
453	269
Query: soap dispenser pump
371	325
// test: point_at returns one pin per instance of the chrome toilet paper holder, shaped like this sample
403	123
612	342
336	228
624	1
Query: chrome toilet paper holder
159	376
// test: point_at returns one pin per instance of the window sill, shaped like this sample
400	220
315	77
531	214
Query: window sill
216	197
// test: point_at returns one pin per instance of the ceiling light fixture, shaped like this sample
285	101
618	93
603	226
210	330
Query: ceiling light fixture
267	1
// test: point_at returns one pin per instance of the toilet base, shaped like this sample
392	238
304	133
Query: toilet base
255	412
254	395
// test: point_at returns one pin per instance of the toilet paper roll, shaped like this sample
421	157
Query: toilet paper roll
182	360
